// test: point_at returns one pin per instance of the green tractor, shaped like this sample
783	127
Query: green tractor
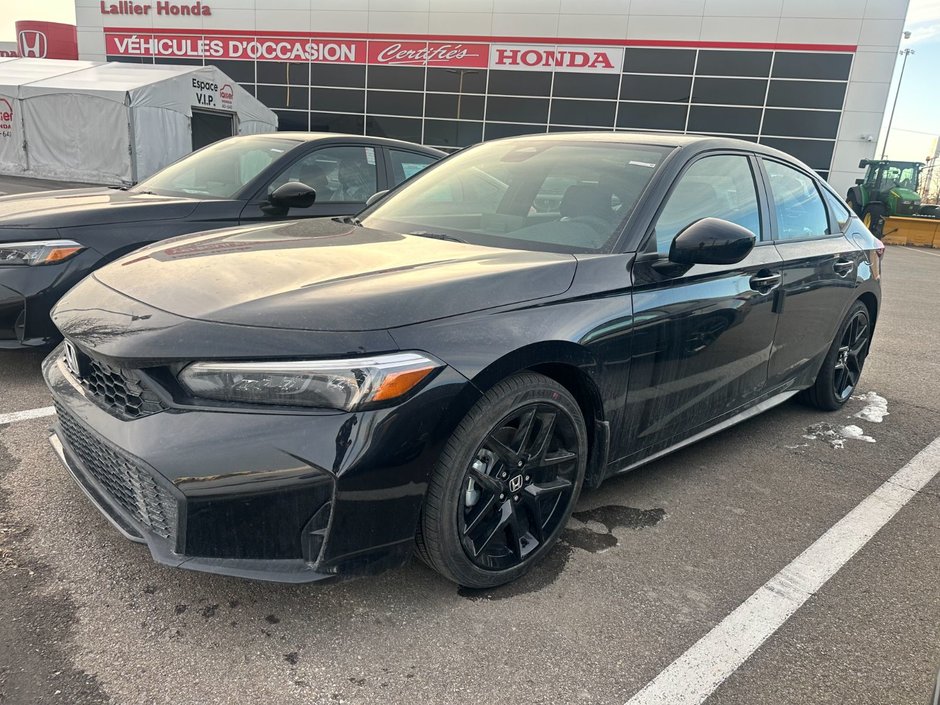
888	189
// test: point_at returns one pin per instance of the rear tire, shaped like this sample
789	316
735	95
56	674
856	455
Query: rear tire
873	216
505	483
842	367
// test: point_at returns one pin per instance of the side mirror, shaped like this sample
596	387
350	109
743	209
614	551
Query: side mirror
293	194
377	196
859	182
711	241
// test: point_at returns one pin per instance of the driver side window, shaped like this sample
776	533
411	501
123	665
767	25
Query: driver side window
338	174
721	186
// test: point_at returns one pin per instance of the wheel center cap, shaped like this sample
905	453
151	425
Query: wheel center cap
515	484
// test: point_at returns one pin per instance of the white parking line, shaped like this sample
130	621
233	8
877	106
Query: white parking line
921	250
692	677
24	415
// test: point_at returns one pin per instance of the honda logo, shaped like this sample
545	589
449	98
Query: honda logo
515	484
71	359
33	44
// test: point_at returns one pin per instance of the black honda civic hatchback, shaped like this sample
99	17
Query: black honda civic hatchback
315	400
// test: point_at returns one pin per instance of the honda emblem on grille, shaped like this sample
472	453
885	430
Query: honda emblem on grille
71	359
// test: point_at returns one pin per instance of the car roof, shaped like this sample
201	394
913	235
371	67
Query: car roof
689	142
344	137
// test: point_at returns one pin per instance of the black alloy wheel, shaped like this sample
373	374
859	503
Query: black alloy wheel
842	368
517	486
503	491
851	355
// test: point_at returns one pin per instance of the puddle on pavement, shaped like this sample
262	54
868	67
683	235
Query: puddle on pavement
590	530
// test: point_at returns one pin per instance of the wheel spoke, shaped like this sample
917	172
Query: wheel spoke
518	532
489	483
547	489
503	452
500	527
853	377
533	497
543	439
520	438
533	504
840	381
861	334
481	514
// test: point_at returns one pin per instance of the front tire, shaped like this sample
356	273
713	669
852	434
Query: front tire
505	484
838	377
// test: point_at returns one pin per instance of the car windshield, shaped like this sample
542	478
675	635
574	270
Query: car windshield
529	194
220	170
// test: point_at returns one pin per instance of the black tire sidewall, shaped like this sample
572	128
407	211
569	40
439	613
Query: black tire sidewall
441	538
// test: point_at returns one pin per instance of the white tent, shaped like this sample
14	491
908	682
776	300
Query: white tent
118	122
14	73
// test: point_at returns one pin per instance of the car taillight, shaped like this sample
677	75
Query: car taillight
880	248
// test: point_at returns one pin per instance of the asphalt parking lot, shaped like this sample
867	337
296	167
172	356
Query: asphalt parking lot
652	562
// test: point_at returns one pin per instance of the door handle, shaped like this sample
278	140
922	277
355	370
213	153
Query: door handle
843	266
765	281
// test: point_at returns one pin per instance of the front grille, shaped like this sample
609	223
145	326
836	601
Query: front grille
126	482
122	392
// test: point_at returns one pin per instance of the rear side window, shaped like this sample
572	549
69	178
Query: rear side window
407	164
721	186
840	211
800	211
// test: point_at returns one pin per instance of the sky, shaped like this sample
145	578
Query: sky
916	122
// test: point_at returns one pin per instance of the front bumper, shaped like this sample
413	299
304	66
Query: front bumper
27	294
274	496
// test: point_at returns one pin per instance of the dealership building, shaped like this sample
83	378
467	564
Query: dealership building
810	77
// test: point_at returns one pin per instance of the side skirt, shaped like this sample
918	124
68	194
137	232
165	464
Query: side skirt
727	423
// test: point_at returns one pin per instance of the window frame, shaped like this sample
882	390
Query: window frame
390	167
260	194
832	228
759	189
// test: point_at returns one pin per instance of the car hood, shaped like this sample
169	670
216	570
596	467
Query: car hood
89	206
330	276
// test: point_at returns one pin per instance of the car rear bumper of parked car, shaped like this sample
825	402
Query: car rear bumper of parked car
288	497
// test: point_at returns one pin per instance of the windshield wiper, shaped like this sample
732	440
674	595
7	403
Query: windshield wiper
437	236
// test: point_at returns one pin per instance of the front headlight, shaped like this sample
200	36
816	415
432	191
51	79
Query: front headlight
32	254
328	384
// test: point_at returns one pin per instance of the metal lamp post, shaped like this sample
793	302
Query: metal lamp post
905	53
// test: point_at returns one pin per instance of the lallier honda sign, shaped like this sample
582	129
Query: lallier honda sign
248	46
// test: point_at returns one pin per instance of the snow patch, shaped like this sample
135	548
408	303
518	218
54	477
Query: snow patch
855	433
836	437
876	407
